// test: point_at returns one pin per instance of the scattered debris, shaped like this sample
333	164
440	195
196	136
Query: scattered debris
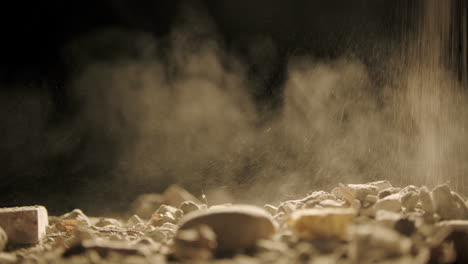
357	223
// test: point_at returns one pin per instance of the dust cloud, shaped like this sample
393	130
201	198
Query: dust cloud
180	111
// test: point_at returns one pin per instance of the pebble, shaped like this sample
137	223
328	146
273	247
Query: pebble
236	227
322	223
389	203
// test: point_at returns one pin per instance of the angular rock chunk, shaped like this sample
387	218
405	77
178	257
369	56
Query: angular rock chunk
189	206
76	214
236	227
373	243
409	197
24	225
426	200
390	203
134	220
381	185
360	191
445	204
322	223
108	221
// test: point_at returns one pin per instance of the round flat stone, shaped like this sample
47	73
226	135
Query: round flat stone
236	227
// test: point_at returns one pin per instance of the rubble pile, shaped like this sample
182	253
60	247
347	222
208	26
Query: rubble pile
355	223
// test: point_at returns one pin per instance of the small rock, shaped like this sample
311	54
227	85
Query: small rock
70	226
331	204
290	206
197	243
445	204
188	206
317	196
373	243
390	203
160	219
24	225
381	185
322	223
461	204
236	227
360	191
426	200
409	197
167	209
108	221
389	191
76	214
134	220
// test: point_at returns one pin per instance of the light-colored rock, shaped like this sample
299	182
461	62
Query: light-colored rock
24	225
236	227
331	204
373	243
108	221
290	206
426	200
189	206
360	191
389	191
390	203
134	220
322	223
445	204
381	185
461	204
76	214
409	197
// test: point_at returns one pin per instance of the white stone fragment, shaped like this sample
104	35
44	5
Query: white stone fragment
134	220
445	204
382	185
108	222
390	203
76	214
360	191
426	200
24	225
373	243
409	197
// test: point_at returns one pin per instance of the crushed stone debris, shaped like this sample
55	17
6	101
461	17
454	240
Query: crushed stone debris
373	222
